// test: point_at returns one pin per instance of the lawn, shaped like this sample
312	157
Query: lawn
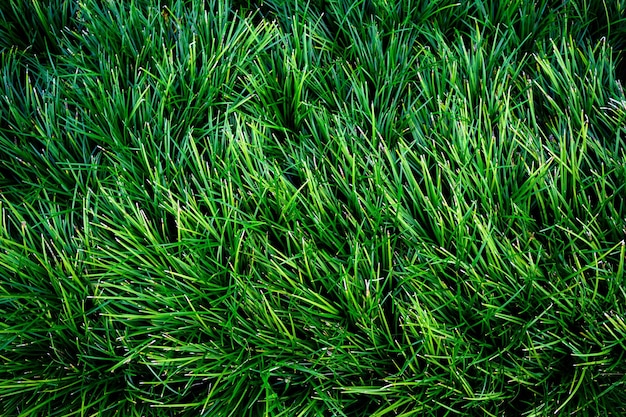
323	208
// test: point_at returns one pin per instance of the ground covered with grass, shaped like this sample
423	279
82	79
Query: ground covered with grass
323	208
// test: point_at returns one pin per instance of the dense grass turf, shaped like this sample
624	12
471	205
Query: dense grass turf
333	207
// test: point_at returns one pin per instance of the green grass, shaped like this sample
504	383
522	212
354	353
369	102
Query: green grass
323	208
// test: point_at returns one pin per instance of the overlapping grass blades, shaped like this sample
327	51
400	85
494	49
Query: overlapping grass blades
299	209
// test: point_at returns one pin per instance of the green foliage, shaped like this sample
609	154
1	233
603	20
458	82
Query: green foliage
280	208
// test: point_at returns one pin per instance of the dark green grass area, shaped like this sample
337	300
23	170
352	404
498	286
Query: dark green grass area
323	208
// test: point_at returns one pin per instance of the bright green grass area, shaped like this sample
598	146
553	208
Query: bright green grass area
323	208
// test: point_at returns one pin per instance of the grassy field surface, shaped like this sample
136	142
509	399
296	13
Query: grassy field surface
323	208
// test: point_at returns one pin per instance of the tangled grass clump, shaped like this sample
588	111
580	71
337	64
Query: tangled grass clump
283	208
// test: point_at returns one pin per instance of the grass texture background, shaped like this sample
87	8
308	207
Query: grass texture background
322	208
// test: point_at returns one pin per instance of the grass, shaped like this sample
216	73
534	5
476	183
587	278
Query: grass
284	208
